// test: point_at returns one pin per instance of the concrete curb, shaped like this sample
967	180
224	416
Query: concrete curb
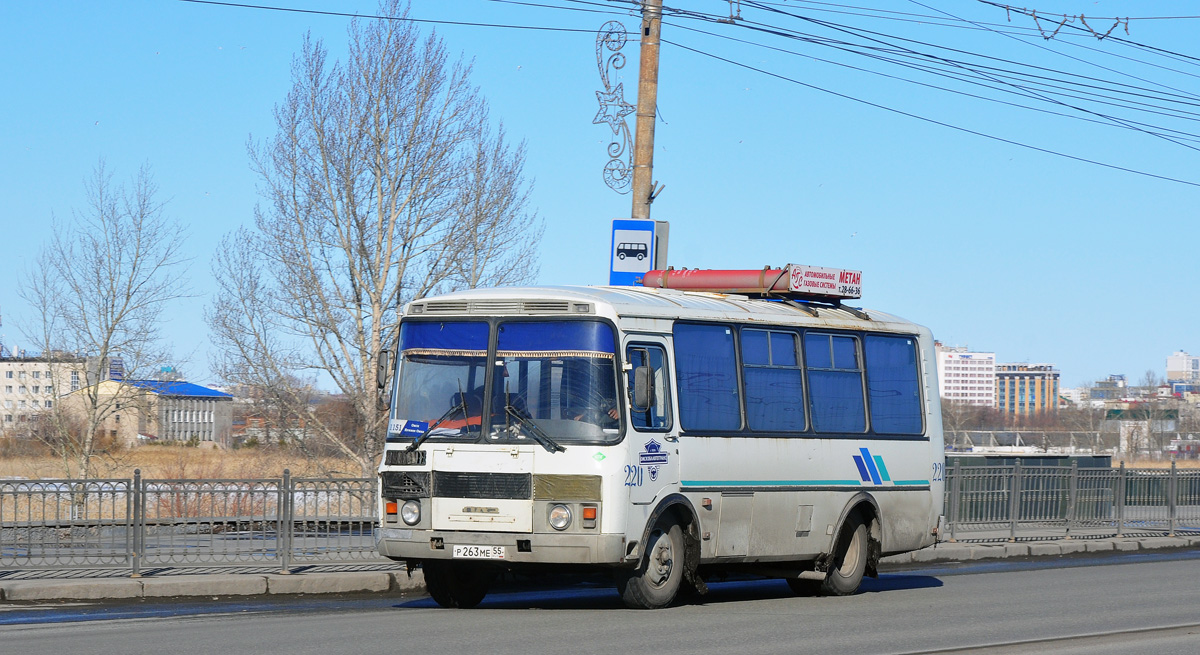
329	583
221	584
72	589
966	552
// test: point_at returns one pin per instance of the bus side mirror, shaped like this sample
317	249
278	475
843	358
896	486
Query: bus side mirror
381	368
383	399
643	389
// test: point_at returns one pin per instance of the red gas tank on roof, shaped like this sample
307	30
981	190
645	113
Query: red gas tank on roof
793	280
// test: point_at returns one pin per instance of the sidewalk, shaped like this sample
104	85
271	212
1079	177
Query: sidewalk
390	578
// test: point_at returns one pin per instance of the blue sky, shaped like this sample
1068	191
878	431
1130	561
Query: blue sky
1036	257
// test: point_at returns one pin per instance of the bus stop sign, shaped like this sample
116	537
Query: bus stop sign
638	246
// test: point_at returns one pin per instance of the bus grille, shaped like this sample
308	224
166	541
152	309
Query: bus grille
512	486
405	484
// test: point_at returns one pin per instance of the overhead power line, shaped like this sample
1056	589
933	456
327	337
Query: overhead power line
1041	84
1050	89
406	19
605	8
881	37
943	21
1026	11
958	128
1190	136
1117	39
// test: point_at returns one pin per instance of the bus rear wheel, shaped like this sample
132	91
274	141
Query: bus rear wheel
655	583
457	584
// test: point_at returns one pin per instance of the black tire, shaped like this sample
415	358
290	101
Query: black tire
621	256
655	582
457	584
849	559
641	256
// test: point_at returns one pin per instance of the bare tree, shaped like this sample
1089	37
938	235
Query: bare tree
100	287
384	182
496	236
1150	382
1161	413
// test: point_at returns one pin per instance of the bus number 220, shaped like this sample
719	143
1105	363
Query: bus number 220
633	476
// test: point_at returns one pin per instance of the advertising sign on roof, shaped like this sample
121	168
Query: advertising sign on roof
831	282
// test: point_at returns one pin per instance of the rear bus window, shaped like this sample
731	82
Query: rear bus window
893	384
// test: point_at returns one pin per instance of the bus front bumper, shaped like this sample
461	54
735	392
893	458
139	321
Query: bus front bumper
533	548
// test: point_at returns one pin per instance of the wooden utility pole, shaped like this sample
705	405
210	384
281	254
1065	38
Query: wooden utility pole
647	104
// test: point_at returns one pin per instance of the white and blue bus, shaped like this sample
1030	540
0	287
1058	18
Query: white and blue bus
664	435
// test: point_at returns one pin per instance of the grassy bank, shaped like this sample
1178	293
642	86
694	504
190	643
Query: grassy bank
183	463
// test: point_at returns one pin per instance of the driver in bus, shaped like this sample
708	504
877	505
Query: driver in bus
587	400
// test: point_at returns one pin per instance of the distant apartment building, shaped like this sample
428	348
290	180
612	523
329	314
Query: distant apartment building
1026	389
1182	367
965	376
30	386
1114	387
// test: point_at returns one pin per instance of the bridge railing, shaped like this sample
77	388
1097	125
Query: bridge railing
142	523
1067	501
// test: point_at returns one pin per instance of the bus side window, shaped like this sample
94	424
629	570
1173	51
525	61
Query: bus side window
835	383
706	364
657	416
773	381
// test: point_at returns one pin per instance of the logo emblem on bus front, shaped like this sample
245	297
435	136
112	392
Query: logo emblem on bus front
652	458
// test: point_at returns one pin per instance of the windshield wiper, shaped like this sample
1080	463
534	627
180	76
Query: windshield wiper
433	426
534	431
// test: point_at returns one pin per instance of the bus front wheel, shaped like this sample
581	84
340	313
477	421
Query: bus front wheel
457	584
656	581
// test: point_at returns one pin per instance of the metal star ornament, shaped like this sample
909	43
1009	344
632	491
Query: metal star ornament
613	108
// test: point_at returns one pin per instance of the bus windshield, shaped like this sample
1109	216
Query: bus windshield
556	377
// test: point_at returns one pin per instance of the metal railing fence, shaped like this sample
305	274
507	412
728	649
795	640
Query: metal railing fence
141	523
1067	501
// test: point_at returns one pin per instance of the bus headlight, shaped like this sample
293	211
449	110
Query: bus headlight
410	511
560	517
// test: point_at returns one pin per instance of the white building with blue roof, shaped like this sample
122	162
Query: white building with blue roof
162	410
188	412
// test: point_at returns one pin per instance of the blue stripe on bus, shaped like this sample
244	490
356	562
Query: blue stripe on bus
769	483
866	454
862	468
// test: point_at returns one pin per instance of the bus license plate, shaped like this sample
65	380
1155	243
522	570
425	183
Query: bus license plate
479	552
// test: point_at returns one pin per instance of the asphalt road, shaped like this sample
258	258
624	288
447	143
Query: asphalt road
1116	604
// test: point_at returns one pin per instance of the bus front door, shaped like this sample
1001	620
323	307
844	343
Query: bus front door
652	469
